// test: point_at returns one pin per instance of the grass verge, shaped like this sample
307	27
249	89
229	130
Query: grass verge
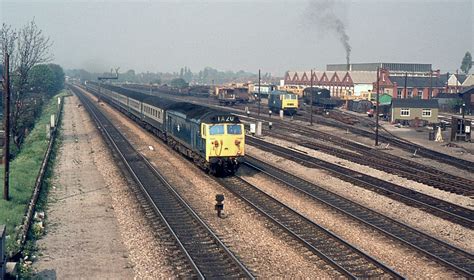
23	172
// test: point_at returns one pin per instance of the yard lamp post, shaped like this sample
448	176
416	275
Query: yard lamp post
259	97
311	99
377	109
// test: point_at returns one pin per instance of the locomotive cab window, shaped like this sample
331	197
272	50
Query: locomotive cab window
234	129
217	129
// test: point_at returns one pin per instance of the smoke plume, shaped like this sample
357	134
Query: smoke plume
321	15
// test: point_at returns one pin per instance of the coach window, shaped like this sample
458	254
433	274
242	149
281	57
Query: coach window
234	129
216	129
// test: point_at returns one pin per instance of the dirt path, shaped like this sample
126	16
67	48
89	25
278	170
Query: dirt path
83	238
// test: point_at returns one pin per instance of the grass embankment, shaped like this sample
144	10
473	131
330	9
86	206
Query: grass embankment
23	172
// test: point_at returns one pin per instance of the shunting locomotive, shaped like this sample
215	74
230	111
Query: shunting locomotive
281	100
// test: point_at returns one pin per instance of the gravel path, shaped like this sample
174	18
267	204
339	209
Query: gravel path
250	237
83	233
432	225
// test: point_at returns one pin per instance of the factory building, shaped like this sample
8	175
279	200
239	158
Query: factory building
414	69
357	84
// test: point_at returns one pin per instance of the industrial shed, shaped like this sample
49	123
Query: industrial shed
467	96
414	111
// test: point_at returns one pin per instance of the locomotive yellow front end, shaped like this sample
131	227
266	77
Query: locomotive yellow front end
289	103
224	143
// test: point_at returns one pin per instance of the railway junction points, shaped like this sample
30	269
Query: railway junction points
308	202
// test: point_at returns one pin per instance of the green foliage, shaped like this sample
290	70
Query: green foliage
466	63
178	83
46	78
23	171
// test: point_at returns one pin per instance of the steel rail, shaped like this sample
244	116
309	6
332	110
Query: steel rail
441	251
443	209
201	254
344	257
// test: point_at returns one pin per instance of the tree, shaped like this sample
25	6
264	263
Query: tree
178	83
46	79
41	79
27	47
466	63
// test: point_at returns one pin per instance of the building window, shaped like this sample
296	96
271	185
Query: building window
426	113
410	93
405	112
420	93
399	93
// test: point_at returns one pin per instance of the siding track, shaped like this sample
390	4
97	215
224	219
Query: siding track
457	259
441	208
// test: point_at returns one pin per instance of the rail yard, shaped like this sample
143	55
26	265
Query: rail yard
303	201
314	139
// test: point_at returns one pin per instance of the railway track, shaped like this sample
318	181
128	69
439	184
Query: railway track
205	253
443	209
400	143
444	253
345	258
381	161
383	135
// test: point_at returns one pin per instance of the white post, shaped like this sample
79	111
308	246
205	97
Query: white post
53	124
259	129
281	114
48	131
3	261
252	129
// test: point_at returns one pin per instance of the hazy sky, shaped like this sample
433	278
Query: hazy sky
245	35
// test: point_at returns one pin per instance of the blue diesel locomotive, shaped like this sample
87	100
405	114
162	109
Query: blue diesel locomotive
213	139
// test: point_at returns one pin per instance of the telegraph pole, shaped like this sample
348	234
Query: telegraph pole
431	84
405	87
6	125
377	109
259	98
311	99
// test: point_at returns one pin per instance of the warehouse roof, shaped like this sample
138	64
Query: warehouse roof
363	77
412	82
414	103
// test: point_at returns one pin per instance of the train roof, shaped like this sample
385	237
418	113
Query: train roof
201	114
279	92
190	111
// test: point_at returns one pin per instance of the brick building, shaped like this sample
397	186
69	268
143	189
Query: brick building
362	84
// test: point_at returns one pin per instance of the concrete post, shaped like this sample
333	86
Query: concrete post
53	124
252	129
259	129
281	114
3	260
48	131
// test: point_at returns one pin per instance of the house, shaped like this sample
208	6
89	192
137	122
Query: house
424	87
469	81
411	109
455	82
